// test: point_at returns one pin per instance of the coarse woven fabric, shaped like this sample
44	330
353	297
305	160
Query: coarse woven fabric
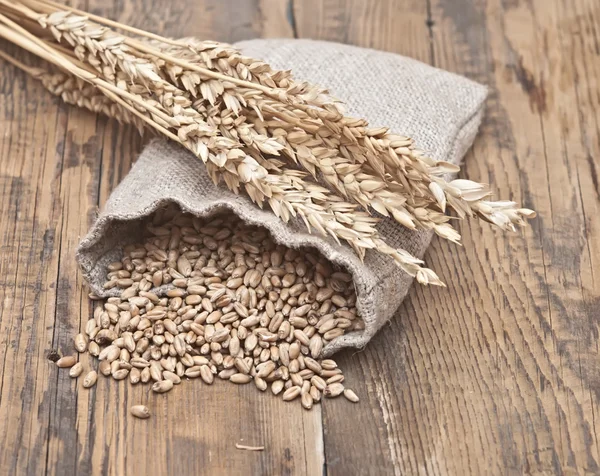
440	110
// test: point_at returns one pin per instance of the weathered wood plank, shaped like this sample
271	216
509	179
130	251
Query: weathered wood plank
32	166
389	25
221	20
534	127
496	373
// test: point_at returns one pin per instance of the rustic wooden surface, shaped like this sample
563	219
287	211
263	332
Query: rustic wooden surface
498	374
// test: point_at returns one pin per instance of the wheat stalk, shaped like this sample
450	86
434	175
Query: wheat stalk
236	113
376	146
466	198
286	192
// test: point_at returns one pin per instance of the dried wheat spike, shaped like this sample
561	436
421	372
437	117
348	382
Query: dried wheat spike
253	126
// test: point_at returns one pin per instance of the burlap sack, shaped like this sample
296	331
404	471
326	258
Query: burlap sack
441	111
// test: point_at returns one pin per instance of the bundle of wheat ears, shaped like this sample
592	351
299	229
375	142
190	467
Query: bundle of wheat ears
284	142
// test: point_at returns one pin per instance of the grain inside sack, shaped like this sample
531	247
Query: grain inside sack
236	306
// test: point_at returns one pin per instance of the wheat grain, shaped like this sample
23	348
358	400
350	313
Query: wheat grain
66	361
245	281
90	379
76	370
140	411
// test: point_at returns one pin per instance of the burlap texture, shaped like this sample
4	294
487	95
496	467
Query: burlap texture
440	110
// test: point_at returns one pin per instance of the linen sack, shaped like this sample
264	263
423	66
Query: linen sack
440	110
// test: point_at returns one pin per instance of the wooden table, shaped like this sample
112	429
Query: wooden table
497	374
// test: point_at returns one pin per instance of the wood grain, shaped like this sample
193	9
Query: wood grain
498	373
389	25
